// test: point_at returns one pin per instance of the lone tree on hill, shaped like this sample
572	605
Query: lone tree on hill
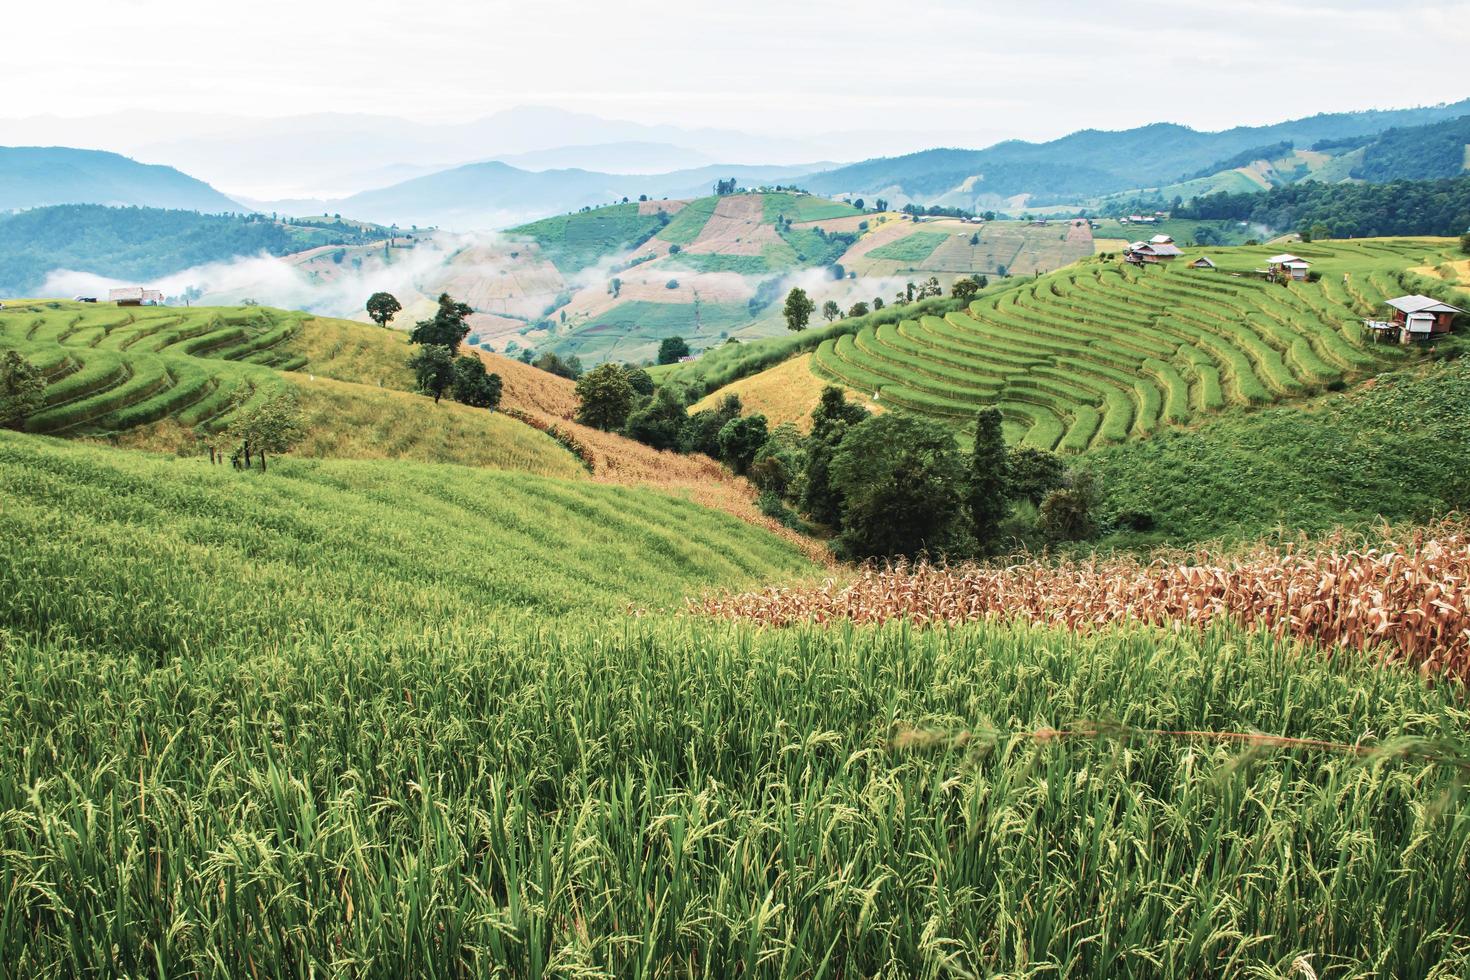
830	310
448	327
607	397
798	310
433	369
382	307
275	426
989	485
964	289
858	309
672	349
22	389
472	385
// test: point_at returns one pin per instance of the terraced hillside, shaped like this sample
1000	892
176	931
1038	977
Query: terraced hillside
159	378
114	368
1101	352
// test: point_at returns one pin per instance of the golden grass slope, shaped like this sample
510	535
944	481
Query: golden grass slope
785	393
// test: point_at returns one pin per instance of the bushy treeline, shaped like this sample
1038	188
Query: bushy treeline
1409	207
883	486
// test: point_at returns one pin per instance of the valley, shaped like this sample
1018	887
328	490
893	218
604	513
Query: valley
1046	559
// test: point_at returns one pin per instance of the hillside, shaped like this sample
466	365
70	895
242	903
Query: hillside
1103	352
437	744
143	244
1092	163
495	194
167	378
36	176
611	283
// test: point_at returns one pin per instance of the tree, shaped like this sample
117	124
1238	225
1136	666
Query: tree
798	310
858	204
701	433
877	303
964	289
672	350
607	397
830	310
22	389
1320	231
382	306
1066	513
831	419
640	379
448	327
433	369
569	367
881	204
901	480
473	385
274	426
988	490
660	423
740	439
975	238
858	309
1465	243
1033	473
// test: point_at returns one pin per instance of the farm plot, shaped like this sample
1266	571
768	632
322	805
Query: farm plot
1097	354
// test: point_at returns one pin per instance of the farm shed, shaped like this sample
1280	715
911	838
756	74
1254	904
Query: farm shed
1286	264
1414	318
1161	240
1140	253
1203	262
135	296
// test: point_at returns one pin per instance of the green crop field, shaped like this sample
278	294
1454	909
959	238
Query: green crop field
152	376
913	248
804	207
575	241
383	719
1099	353
1394	450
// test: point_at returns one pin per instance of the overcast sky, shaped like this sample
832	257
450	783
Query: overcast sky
975	70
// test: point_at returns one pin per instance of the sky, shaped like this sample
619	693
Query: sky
973	72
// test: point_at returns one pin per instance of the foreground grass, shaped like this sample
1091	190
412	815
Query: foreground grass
373	719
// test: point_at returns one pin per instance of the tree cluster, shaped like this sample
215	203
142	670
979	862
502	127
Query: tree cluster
1421	207
440	369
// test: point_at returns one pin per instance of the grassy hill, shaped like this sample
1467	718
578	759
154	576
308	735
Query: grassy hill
336	705
1101	353
156	377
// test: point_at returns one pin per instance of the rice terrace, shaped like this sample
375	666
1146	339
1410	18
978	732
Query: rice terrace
717	511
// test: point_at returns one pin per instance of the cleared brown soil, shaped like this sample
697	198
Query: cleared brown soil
654	207
736	228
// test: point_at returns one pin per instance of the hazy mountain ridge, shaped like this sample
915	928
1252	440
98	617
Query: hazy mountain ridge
37	176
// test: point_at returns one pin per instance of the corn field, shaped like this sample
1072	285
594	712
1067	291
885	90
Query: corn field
1407	597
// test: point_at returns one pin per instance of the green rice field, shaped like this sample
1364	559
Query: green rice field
1099	353
377	719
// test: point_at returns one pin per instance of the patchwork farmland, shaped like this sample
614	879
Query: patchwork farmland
1097	353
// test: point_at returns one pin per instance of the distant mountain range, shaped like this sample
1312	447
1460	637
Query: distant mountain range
1091	163
33	176
545	177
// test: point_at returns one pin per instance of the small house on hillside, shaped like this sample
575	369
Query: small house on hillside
1161	240
1286	266
1203	262
1141	253
135	296
1414	318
